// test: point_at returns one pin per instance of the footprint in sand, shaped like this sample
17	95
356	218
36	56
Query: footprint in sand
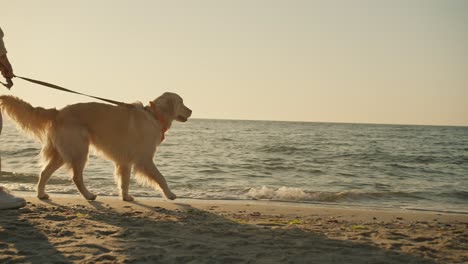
106	257
423	239
93	248
106	232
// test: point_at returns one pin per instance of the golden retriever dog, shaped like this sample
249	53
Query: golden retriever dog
128	135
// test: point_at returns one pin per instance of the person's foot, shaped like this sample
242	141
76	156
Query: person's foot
8	201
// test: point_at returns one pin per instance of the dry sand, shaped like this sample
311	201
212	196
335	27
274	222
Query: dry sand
68	229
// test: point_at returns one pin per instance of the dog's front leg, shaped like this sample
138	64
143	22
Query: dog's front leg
154	176
162	183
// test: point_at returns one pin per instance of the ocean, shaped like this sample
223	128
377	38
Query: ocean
364	165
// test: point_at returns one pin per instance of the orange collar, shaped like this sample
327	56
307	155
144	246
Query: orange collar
154	112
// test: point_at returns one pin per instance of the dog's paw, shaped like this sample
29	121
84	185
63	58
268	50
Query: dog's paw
128	198
44	196
171	196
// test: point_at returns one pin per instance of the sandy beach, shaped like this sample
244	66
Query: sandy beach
68	229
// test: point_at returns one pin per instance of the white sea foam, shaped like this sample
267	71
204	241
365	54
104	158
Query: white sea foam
296	194
283	193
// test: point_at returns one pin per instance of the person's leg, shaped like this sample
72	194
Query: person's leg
8	201
1	126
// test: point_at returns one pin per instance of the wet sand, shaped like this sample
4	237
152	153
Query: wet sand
68	229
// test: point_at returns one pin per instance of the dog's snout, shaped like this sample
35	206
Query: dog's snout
187	111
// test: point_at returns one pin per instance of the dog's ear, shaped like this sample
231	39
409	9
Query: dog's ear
151	104
166	105
171	107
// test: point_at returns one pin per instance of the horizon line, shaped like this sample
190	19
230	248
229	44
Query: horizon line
327	122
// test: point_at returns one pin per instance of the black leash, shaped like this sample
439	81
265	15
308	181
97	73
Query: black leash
9	84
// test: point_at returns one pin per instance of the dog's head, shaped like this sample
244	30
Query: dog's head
172	106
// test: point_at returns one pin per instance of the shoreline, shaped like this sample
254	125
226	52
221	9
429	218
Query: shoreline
308	204
69	229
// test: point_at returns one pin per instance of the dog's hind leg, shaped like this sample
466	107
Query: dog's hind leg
78	180
73	145
54	162
78	165
152	176
122	174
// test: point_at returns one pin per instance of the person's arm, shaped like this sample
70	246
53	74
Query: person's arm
3	50
5	66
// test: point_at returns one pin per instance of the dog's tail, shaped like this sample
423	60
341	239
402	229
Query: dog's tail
34	120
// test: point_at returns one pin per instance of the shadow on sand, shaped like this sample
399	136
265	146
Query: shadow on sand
22	241
147	234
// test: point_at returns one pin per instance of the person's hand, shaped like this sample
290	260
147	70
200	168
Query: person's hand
5	67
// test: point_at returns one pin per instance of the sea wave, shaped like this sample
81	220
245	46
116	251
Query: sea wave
283	193
296	194
283	149
14	177
25	152
461	195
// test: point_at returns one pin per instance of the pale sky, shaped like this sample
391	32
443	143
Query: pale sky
397	62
